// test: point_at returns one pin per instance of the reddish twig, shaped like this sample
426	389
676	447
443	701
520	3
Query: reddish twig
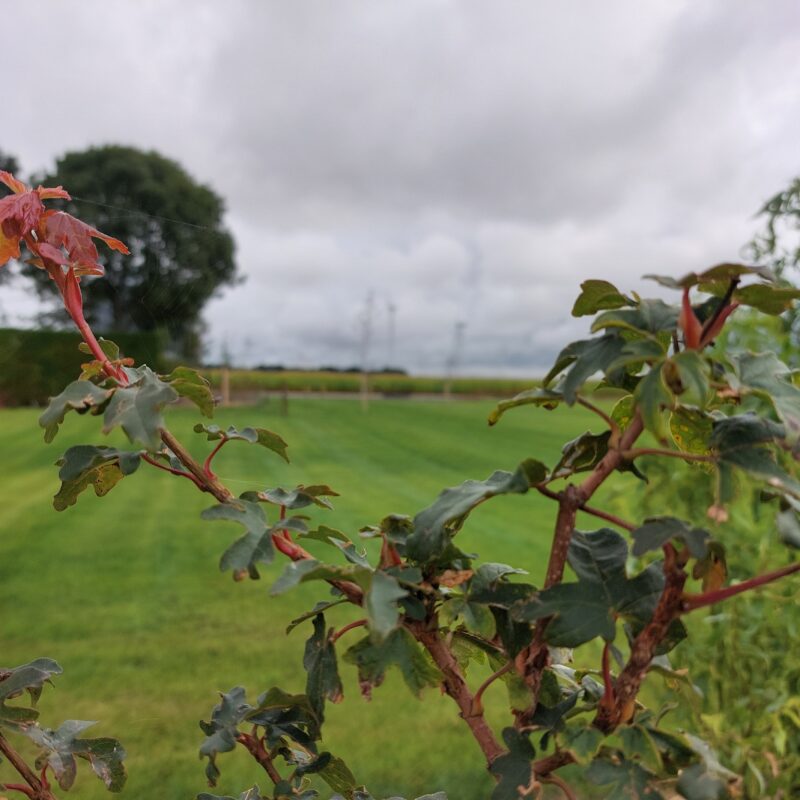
359	623
658	451
156	463
207	463
37	790
256	748
600	413
691	602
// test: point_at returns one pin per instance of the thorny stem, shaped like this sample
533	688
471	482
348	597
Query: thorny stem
150	460
38	790
477	700
691	602
207	463
256	749
359	623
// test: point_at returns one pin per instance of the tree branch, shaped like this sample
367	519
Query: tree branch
615	432
256	749
150	460
691	602
626	687
207	483
456	687
658	451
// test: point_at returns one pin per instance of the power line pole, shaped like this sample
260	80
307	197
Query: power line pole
454	359
391	309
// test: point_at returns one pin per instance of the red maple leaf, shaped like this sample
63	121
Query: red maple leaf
16	186
63	230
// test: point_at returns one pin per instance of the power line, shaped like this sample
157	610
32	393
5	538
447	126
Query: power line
134	212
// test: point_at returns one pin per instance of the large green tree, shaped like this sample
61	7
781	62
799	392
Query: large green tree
181	251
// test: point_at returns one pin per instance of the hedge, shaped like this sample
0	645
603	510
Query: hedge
36	365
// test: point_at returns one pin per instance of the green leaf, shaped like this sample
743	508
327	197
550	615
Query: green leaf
221	730
136	408
623	411
28	678
767	299
106	345
584	358
628	780
582	740
85	465
399	649
721	273
260	436
648	317
696	783
339	777
436	525
319	661
766	376
255	547
300	497
597	295
476	617
380	604
62	745
514	768
652	396
693	377
537	397
582	454
691	429
657	531
738	441
80	396
310	569
189	383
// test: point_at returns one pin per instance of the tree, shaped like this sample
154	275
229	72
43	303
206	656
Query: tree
181	251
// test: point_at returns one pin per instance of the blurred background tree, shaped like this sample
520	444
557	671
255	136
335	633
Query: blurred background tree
181	253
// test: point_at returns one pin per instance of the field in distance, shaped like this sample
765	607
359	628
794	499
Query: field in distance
124	590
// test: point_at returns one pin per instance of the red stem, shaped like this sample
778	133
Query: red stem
359	623
207	463
608	696
17	787
691	602
150	460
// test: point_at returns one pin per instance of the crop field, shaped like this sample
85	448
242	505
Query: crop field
124	591
242	380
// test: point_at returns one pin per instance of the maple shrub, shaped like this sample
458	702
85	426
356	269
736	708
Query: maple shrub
572	652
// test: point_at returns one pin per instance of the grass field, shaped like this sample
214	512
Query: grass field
125	593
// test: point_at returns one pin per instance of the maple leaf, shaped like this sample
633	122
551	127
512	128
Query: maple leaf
16	186
64	230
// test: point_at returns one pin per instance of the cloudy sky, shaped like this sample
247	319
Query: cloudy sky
459	161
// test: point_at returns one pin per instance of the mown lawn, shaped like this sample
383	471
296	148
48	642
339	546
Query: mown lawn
124	591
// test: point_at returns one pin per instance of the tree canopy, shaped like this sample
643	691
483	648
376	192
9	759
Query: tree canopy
181	252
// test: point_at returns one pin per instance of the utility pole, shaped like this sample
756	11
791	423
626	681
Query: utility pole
366	341
454	359
391	309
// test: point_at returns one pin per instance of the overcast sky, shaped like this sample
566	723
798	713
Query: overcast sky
461	161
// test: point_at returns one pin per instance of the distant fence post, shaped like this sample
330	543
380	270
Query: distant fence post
284	404
364	391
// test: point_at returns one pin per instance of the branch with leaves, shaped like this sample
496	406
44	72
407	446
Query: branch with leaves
432	611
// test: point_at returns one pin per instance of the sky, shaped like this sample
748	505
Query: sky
444	164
